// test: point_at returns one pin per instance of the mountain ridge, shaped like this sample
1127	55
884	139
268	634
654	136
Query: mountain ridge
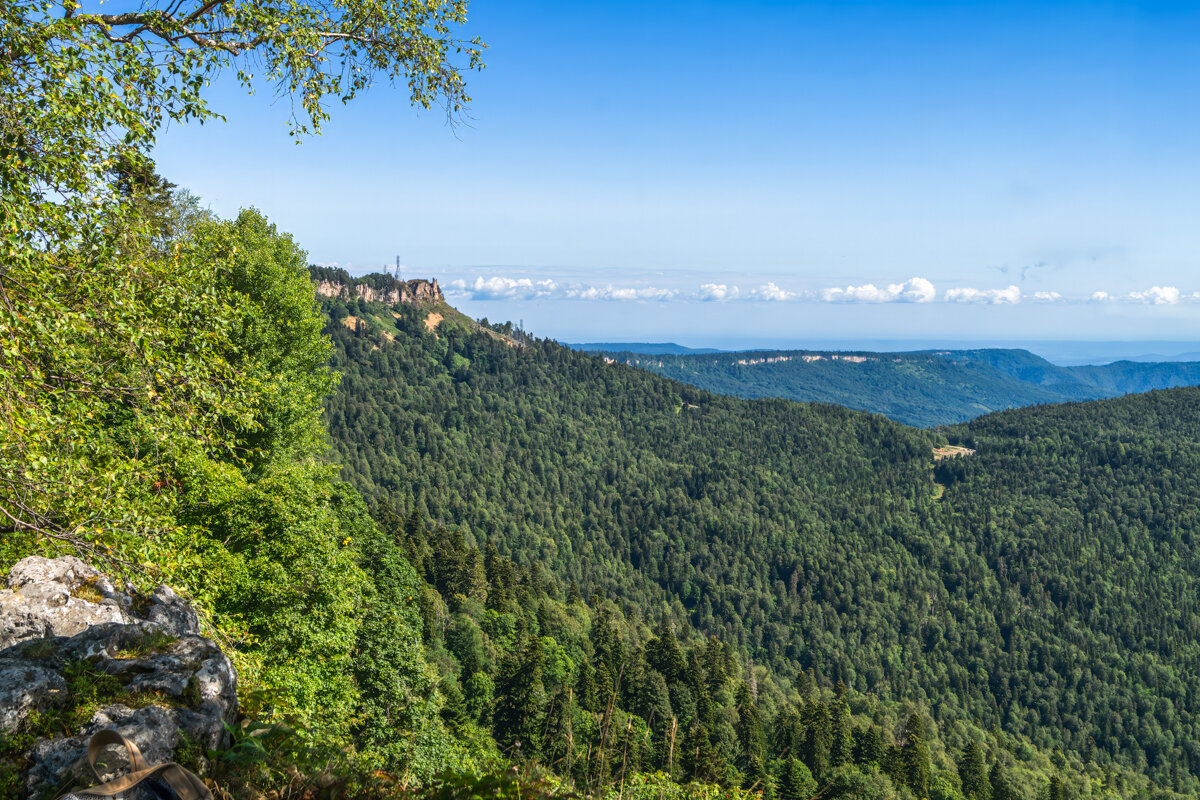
923	388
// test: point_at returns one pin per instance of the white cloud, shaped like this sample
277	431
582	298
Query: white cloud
717	292
771	291
913	290
611	292
497	288
992	296
1157	296
500	288
867	293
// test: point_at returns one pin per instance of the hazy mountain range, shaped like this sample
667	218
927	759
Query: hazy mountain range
923	388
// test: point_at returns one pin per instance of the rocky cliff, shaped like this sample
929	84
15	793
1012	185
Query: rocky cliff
77	656
391	292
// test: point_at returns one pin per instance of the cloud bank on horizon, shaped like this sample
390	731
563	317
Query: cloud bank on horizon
913	290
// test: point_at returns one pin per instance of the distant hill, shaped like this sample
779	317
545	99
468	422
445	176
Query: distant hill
646	348
924	388
1192	356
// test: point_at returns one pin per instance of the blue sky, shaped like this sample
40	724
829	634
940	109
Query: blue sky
765	173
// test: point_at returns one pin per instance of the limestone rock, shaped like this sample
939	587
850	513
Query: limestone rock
425	291
25	687
55	597
172	613
158	732
417	290
153	677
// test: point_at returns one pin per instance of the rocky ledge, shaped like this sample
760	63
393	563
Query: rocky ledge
77	655
392	292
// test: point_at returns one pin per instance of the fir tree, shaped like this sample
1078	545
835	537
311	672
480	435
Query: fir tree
1001	784
914	756
520	699
795	781
662	652
818	739
751	740
973	772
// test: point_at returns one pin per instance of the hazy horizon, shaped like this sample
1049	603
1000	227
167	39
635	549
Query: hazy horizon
1060	352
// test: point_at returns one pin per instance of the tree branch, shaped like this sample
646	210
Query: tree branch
167	28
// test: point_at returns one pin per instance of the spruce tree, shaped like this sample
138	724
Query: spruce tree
973	772
662	652
841	748
699	760
1001	784
558	737
751	739
788	737
914	756
1056	790
868	746
520	699
818	739
795	781
585	688
649	697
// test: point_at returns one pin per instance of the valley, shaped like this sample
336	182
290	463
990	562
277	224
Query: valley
807	537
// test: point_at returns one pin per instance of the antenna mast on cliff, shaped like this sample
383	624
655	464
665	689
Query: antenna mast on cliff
398	268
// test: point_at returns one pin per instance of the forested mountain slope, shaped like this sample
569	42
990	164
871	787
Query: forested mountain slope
916	388
1130	377
1048	592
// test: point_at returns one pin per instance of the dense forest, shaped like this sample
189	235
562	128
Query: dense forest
962	587
916	388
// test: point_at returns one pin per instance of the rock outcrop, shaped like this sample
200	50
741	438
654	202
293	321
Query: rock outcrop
414	291
77	655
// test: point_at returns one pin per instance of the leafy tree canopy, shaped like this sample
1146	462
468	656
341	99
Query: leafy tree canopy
125	325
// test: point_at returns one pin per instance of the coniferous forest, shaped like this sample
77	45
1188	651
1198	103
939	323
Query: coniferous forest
1041	588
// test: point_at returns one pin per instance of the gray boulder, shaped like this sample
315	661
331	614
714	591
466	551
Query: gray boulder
26	687
55	597
76	652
